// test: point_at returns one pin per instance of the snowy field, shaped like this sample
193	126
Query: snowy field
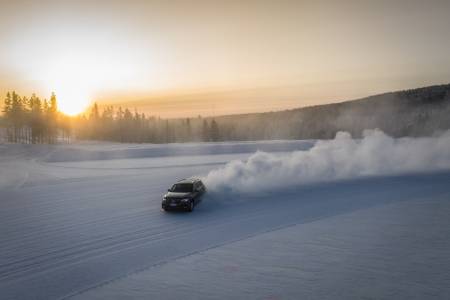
339	219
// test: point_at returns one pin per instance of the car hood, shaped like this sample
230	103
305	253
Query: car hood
177	195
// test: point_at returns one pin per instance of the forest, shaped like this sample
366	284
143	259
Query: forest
35	121
32	120
416	112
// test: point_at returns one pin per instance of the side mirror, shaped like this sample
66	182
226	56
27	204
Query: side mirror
168	190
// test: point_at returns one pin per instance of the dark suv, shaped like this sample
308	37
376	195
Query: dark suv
185	194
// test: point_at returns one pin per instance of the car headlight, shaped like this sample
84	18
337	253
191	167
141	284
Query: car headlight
185	200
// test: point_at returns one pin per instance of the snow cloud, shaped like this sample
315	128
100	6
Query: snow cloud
337	159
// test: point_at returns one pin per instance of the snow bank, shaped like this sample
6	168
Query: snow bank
341	158
105	151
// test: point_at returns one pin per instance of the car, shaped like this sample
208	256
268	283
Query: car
184	195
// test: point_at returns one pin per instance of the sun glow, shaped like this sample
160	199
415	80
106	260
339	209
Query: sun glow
72	102
73	92
77	65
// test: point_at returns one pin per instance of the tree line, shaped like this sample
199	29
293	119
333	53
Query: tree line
417	112
126	126
36	121
33	120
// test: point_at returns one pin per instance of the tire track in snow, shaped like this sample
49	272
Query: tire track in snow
112	243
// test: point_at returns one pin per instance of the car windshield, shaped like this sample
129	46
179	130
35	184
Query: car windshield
182	188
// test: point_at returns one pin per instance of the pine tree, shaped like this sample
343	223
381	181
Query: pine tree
188	130
137	127
128	125
214	131
7	109
16	116
52	119
107	121
120	125
8	104
45	124
205	131
95	115
94	121
36	119
167	137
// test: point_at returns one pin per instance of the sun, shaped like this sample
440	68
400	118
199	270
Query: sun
72	101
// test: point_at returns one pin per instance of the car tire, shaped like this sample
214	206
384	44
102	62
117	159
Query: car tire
191	206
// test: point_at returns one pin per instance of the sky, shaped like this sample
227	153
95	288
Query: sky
185	58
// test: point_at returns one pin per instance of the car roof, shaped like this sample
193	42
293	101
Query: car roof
188	180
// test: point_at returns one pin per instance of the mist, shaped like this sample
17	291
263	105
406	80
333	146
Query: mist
328	160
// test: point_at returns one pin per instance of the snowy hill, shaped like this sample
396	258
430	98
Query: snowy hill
417	112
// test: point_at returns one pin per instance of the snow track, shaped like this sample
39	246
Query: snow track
101	221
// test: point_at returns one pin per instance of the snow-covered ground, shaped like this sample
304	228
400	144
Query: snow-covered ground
84	221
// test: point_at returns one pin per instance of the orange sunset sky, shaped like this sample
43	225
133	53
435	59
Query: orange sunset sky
184	58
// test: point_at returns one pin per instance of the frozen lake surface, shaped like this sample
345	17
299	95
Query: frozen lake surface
84	221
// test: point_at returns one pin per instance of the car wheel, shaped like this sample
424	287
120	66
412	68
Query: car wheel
191	206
